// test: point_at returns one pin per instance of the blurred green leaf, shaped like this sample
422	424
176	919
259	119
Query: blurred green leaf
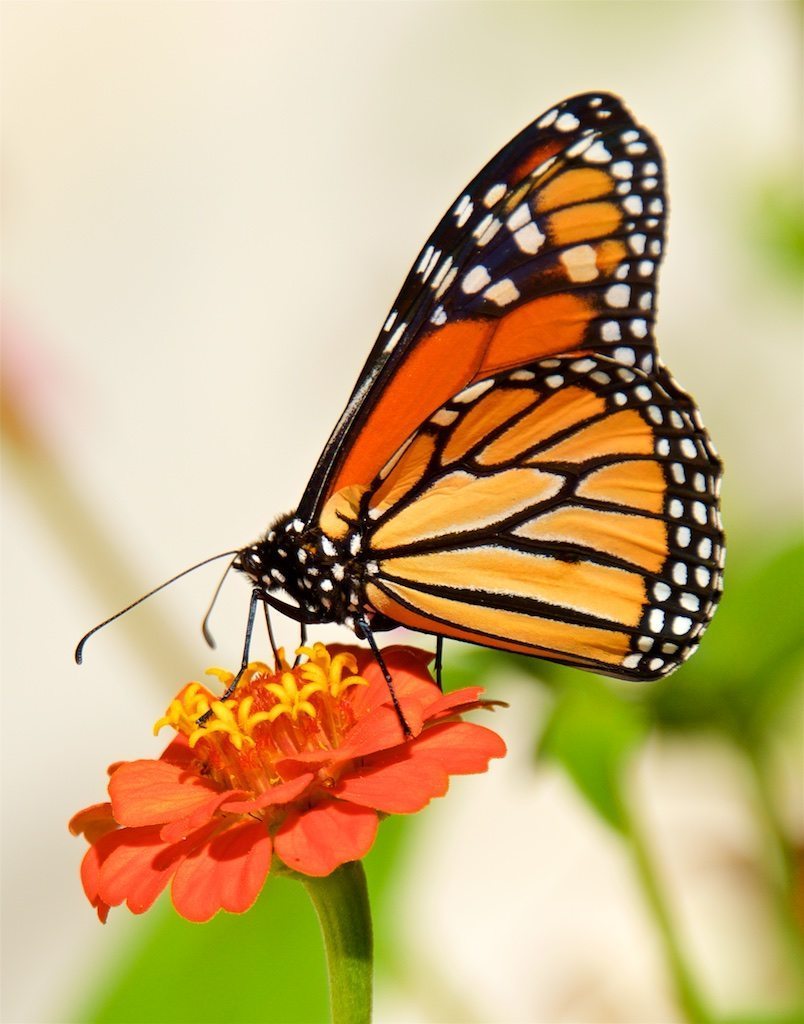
592	732
778	227
263	966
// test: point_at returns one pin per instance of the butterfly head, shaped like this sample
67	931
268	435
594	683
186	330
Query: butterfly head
317	572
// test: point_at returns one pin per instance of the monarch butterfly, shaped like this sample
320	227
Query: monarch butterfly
515	467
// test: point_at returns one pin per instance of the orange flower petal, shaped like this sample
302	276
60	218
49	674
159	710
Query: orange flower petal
136	864
282	793
380	729
90	877
461	748
396	786
175	830
454	703
318	840
155	792
226	873
408	668
93	822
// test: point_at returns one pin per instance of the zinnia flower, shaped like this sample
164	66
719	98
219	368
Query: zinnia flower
299	764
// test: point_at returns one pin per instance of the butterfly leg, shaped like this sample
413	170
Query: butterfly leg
439	661
271	637
365	631
302	641
252	611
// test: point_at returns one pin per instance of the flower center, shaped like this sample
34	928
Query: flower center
272	715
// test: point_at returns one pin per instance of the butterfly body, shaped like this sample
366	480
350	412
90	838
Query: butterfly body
515	466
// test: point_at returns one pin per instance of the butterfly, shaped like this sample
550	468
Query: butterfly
515	467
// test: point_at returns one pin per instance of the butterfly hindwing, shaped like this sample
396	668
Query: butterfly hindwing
567	509
553	248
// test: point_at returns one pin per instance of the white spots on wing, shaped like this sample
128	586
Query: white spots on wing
567	122
495	194
610	331
328	547
444	417
680	573
637	244
638	327
688	449
649	183
548	118
389	323
441	273
354	543
622	169
702	576
477	278
678	472
503	292
655	414
655	206
554	381
645	268
683	536
439	316
633	205
463	211
690	602
474	391
619	398
528	238
428	261
393	341
681	625
705	548
618	296
644	643
650	168
583	365
656	620
699	512
663	446
643	392
630	136
523	375
446	283
625	355
487	229
597	153
632	661
646	300
676	508
519	217
579	262
636	148
661	591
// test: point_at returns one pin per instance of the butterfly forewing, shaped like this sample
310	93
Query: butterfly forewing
567	509
553	248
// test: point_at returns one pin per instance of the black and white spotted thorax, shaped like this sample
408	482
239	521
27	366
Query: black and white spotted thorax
324	575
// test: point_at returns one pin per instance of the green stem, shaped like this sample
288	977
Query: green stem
779	857
690	999
342	904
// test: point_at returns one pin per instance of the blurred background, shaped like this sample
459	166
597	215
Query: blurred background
207	212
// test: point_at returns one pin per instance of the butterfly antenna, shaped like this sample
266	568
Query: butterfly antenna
79	651
205	624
